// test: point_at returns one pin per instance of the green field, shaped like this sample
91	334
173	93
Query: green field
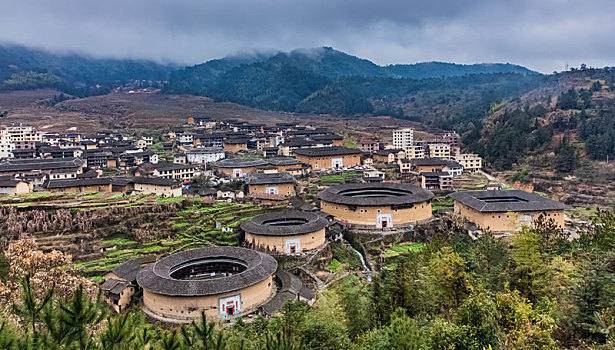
403	248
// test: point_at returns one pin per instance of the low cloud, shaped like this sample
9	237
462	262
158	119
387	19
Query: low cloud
542	35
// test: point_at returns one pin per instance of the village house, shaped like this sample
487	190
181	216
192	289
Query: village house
166	170
11	186
426	165
437	180
368	144
329	157
405	165
120	287
415	152
471	162
236	145
165	187
240	167
204	155
230	195
439	150
288	148
273	186
506	211
288	164
23	167
102	184
388	155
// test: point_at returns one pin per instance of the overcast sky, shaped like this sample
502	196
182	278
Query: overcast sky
544	35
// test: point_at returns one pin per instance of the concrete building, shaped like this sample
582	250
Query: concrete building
329	157
368	144
287	232
403	138
437	180
426	165
377	204
204	155
439	150
506	211
415	152
471	162
223	282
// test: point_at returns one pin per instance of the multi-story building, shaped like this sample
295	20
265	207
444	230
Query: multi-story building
204	155
403	138
415	152
470	162
368	144
437	180
439	150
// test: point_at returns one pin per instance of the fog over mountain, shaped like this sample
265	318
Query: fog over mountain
541	35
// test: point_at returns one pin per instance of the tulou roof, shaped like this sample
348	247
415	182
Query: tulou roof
269	178
241	163
285	223
326	151
505	201
156	278
375	194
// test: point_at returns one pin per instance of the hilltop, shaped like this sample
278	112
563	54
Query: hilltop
324	80
23	68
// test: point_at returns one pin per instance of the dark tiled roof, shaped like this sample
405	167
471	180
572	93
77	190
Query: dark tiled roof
237	141
156	277
128	270
65	183
9	183
326	151
505	201
435	173
386	152
431	161
88	174
283	161
269	178
113	286
285	223
240	163
205	150
156	181
375	194
39	164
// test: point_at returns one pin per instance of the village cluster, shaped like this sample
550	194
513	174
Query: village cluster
270	165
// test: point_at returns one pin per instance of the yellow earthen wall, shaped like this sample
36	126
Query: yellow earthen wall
369	215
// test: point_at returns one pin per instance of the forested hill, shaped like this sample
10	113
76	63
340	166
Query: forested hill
567	120
324	80
25	68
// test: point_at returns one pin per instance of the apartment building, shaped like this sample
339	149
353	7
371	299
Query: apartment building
403	138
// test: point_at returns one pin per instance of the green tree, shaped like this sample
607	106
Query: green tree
446	281
30	309
78	314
